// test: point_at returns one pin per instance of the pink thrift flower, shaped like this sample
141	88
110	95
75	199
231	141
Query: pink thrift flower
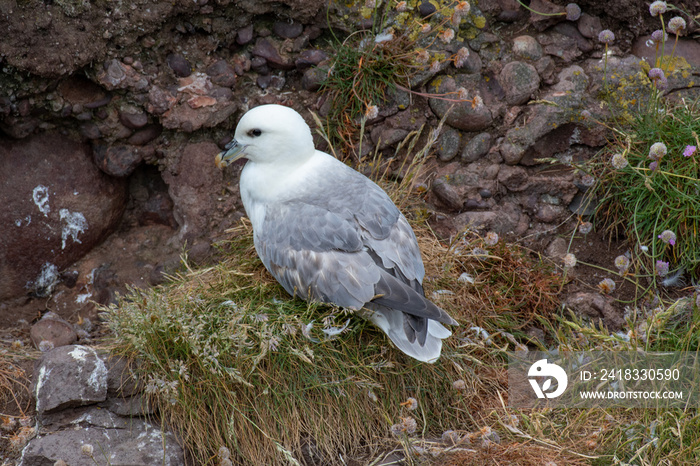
689	151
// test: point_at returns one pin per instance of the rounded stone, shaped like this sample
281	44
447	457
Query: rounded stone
477	147
519	81
133	120
287	30
245	35
222	74
54	330
527	47
426	8
463	115
179	64
448	143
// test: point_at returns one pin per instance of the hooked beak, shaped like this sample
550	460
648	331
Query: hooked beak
234	151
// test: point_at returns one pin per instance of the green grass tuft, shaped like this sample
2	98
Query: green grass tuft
641	202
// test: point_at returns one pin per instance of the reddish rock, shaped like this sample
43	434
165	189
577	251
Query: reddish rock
119	160
53	330
287	29
145	135
222	74
56	207
133	120
179	64
309	58
245	35
542	22
117	75
194	187
81	91
159	101
267	49
186	118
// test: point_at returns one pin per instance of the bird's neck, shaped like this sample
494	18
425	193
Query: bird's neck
275	182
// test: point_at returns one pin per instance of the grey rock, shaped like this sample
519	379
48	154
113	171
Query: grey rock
472	64
426	8
519	81
447	194
122	381
221	93
314	77
548	213
686	48
569	30
259	65
462	116
54	330
90	130
526	47
137	443
476	147
503	219
137	405
596	307
546	67
557	249
567	97
560	46
69	376
386	136
448	143
589	26
583	204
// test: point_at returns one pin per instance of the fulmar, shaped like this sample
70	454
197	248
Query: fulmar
328	233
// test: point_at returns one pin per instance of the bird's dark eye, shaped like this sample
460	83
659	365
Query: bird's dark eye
254	133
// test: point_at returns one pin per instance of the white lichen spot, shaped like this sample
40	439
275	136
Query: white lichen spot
40	195
73	223
26	220
82	298
45	281
41	380
79	353
98	376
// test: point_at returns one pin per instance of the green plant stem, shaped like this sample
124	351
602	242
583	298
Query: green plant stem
538	13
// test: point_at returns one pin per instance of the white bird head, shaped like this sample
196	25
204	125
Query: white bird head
269	134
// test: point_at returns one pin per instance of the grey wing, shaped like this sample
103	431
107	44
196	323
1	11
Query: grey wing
316	254
383	229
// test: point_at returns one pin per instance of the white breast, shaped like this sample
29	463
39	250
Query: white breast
265	184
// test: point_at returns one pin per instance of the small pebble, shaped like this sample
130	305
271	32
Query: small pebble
179	64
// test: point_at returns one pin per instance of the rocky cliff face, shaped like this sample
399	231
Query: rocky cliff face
111	113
